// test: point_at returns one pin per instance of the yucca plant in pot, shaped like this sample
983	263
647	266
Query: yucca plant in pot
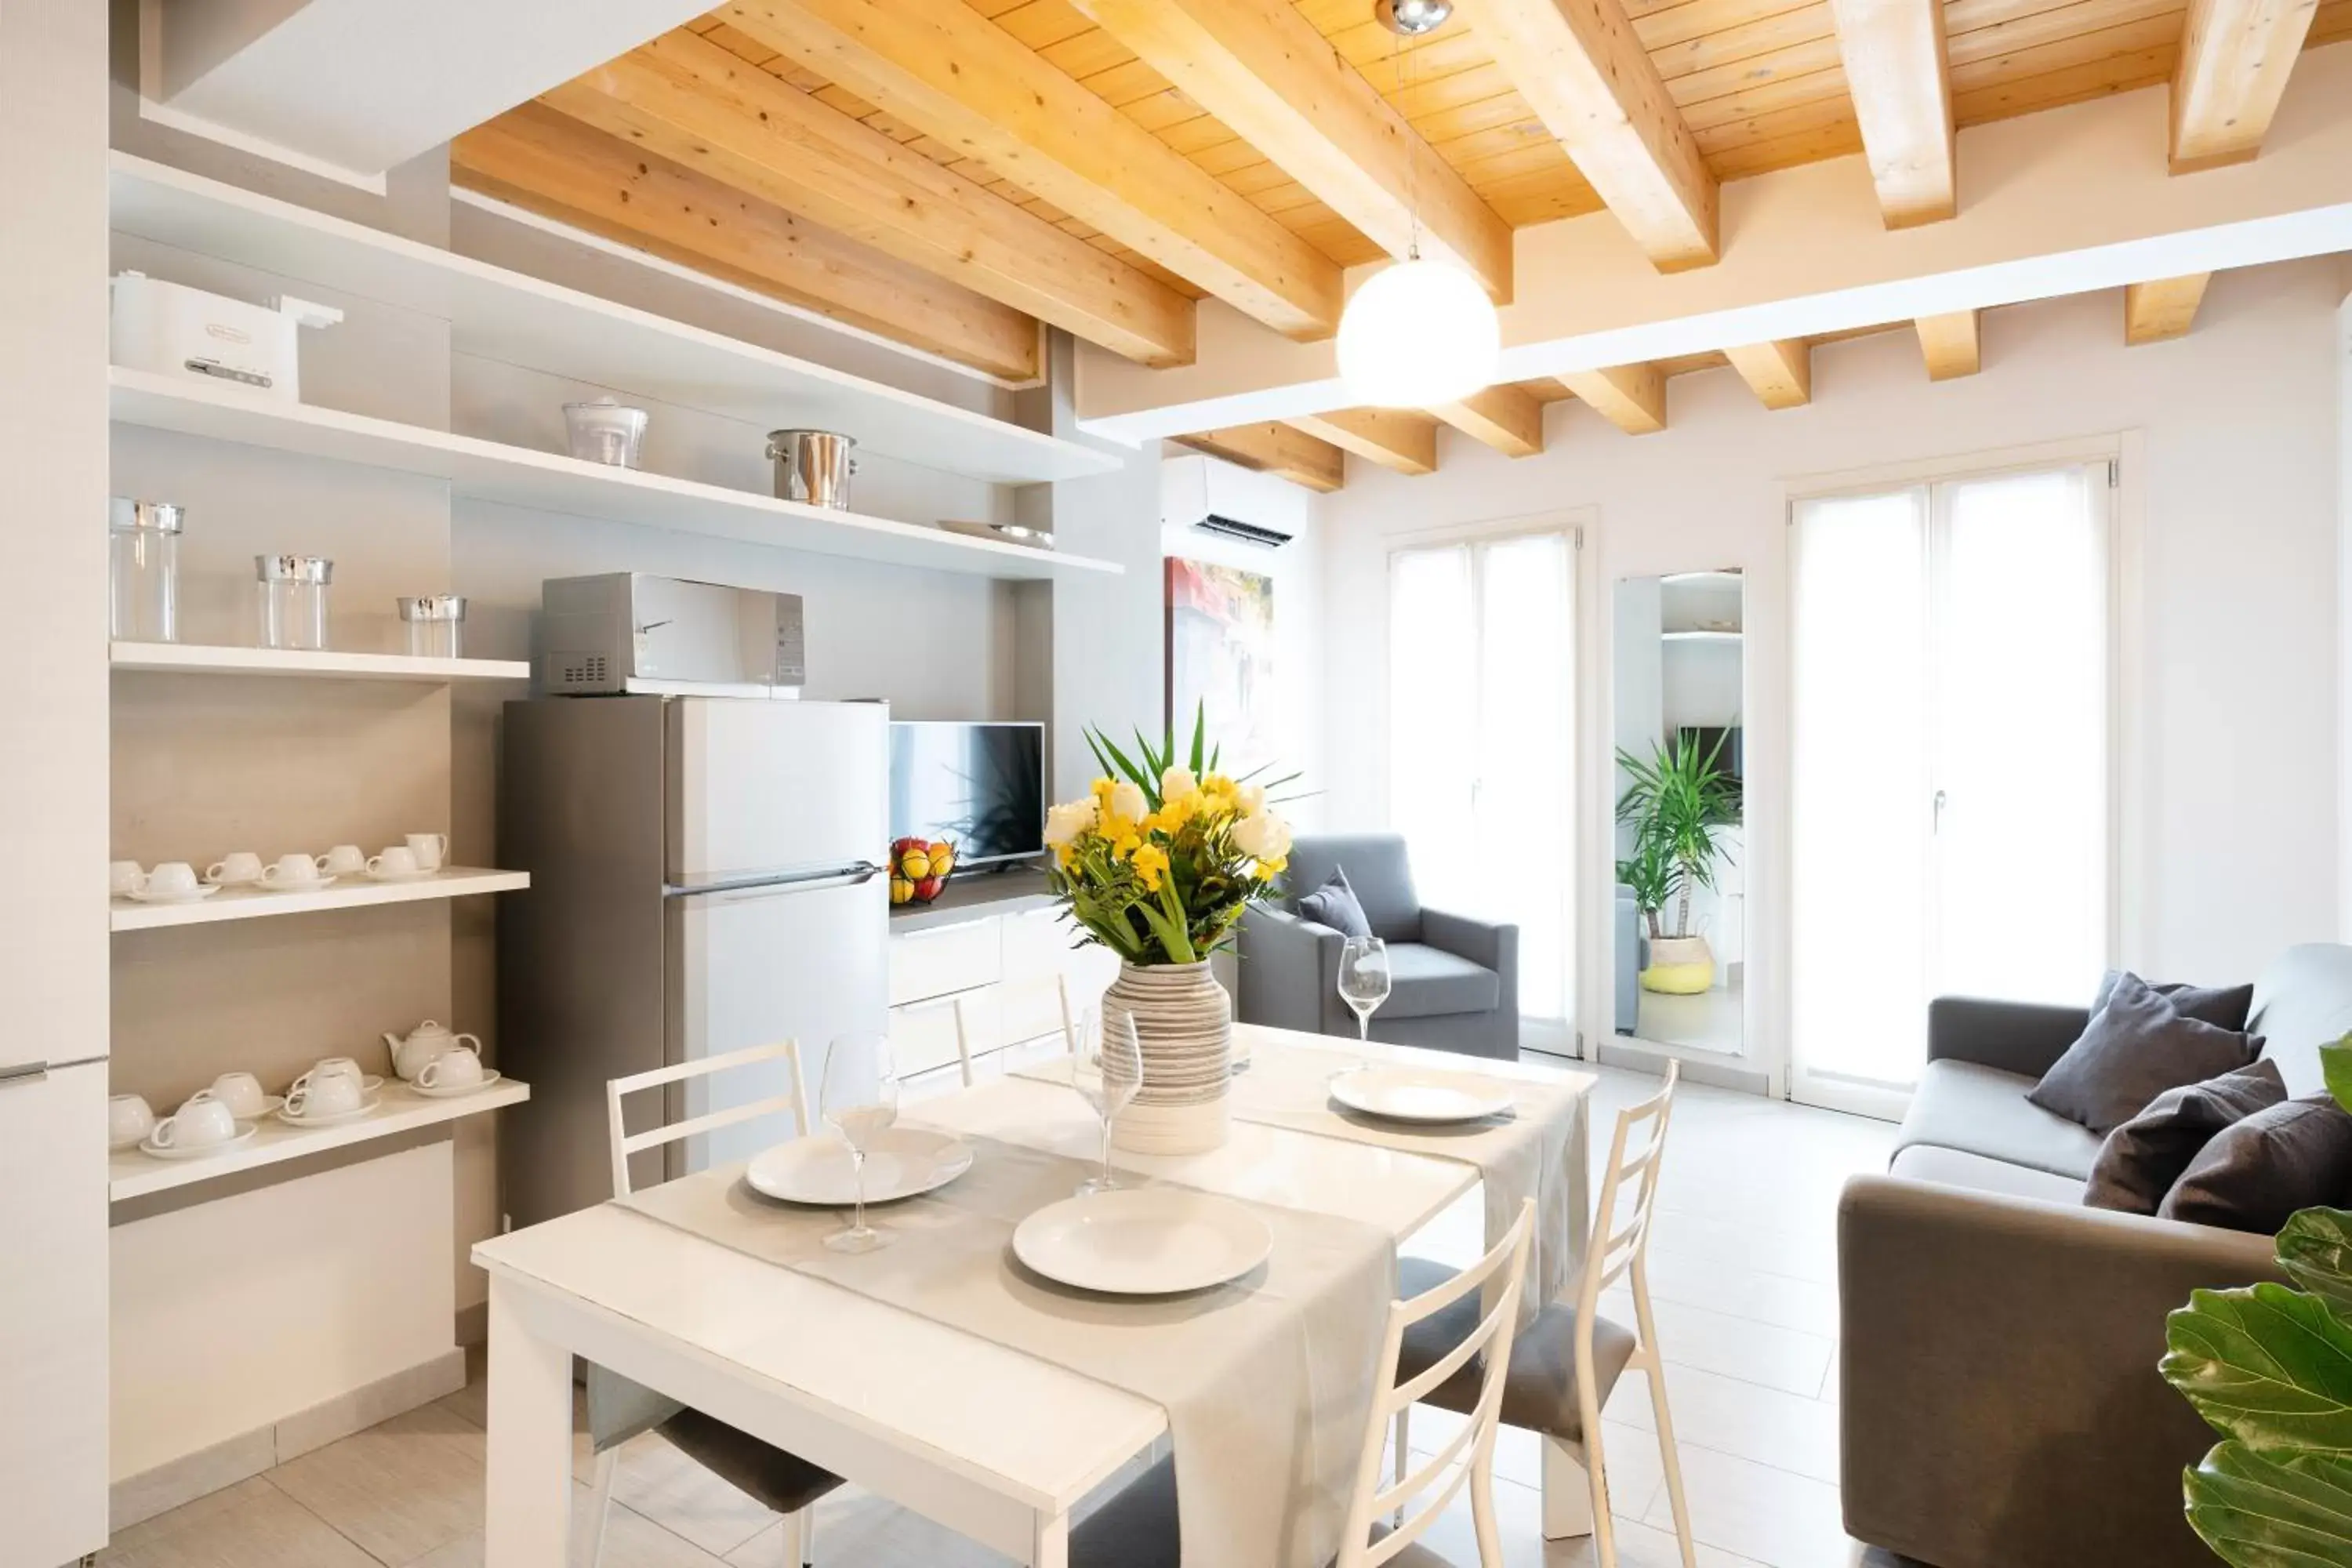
2270	1368
1678	801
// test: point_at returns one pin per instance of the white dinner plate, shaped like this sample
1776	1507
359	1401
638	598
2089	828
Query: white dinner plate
1143	1241
201	891
457	1090
1413	1094
245	1131
904	1161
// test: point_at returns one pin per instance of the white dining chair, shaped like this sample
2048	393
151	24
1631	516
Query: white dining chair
1564	1363
619	1409
1137	1527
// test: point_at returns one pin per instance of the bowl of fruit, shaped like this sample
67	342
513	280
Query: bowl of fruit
918	870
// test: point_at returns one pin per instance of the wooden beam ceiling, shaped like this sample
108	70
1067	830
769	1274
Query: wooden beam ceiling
1395	438
1901	83
1951	344
1779	373
2166	308
942	67
534	158
2235	56
1278	449
1580	65
692	101
1262	69
1632	397
1508	419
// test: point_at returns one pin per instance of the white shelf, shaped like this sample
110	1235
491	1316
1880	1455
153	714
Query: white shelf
347	893
511	316
545	481
130	1175
194	659
1701	579
1700	636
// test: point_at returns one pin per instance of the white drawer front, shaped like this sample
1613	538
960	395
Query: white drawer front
1036	944
928	963
923	1034
1033	1008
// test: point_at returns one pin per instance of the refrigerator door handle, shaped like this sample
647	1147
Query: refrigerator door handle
851	876
23	1073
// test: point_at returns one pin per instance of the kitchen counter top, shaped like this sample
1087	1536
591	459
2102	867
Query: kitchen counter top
976	898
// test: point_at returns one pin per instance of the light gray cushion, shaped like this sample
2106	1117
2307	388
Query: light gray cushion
2142	1159
1429	983
2302	1001
1951	1168
2257	1173
1539	1388
1983	1110
1379	870
1138	1529
1335	904
2133	1049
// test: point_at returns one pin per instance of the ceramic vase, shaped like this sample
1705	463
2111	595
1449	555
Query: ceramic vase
1184	1025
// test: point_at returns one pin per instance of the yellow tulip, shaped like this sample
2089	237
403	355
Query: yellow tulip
1150	864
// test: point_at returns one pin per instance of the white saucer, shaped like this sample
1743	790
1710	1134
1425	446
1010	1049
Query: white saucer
1143	1241
233	883
1413	1094
457	1090
271	1104
904	1161
336	1118
245	1131
323	879
402	876
201	891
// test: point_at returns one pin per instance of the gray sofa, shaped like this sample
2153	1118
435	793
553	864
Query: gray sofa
1999	1401
1456	980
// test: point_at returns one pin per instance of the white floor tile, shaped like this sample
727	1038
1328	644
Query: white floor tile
630	1540
264	1528
1744	1419
398	1491
1773	1515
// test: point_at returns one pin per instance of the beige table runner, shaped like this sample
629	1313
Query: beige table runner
1266	1382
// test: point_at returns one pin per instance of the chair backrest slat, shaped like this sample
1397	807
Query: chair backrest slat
1620	1248
626	1143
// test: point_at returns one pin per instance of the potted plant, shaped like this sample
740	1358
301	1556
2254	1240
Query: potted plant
1679	802
1157	863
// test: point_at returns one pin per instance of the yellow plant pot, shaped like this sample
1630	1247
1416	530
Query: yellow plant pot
1679	966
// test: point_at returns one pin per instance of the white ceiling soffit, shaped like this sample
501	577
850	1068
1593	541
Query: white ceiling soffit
366	84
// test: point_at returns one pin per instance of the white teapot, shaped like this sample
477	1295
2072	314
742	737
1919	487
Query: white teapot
424	1043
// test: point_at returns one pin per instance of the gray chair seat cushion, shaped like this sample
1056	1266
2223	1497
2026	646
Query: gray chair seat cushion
1982	1111
768	1475
1952	1168
1539	1388
1137	1529
1427	982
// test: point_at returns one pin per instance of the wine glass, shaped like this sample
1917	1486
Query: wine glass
1364	980
1107	1075
861	1100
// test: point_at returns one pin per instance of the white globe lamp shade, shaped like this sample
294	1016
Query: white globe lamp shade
1421	333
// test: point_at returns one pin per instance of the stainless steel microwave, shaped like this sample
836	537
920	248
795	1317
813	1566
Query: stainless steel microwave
632	632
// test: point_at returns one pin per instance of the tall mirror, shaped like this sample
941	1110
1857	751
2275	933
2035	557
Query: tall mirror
1677	931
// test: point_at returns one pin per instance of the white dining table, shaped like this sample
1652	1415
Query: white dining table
987	1441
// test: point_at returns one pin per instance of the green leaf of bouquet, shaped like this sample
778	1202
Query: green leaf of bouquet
2315	1247
2267	1365
2257	1512
1134	774
2335	1061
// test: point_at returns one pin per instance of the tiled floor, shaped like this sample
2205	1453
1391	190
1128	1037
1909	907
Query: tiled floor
1743	1270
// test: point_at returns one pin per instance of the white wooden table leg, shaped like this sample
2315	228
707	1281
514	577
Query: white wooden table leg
530	1469
1567	1493
1051	1548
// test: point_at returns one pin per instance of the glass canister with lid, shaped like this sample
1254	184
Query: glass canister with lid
436	623
291	600
143	570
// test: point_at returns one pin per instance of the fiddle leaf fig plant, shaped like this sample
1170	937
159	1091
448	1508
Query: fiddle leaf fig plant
2270	1368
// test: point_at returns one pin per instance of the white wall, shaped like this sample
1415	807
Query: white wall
2232	781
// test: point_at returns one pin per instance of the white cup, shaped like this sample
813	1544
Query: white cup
457	1067
124	878
344	860
397	860
329	1096
235	870
241	1092
200	1122
331	1067
288	871
128	1120
430	850
173	879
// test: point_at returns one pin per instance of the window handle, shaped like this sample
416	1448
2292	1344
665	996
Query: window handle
1940	811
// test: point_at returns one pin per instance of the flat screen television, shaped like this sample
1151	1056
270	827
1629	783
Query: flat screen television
979	786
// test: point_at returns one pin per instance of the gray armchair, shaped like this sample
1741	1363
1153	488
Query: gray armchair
1455	979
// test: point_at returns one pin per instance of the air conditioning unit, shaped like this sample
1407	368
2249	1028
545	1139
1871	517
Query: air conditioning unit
1201	492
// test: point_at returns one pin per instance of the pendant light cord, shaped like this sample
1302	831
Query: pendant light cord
1412	165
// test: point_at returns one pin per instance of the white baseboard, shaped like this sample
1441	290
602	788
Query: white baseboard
1698	1068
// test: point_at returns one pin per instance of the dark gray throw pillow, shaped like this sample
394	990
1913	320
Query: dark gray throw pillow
2133	1049
2142	1159
2223	1007
2253	1177
1335	904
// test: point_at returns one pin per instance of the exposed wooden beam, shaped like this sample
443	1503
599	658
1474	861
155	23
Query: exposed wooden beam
2166	308
1262	69
1278	449
1632	397
1779	373
1951	344
953	74
694	103
550	164
1508	419
1579	65
1901	82
2234	59
1395	438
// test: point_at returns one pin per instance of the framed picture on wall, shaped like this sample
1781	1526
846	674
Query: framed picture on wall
1221	658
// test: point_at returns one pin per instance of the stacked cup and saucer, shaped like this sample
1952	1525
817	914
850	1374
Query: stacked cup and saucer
332	1092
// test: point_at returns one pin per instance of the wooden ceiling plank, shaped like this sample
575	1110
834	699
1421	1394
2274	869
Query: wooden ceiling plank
696	104
1395	438
1504	417
2052	90
2235	60
1580	67
1278	449
1901	81
1952	344
2164	308
1261	69
1779	373
974	86
1632	397
545	163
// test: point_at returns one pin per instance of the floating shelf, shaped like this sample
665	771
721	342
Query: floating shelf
1700	636
543	481
1701	579
194	659
498	314
130	1175
245	904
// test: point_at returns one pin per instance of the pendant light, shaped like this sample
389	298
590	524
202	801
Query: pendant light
1421	331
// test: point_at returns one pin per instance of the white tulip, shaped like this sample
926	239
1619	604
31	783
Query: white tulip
1126	801
1249	800
1261	836
1065	823
1176	783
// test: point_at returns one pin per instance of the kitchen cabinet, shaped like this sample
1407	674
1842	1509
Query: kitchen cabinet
999	977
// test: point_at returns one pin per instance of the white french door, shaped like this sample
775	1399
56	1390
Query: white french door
1951	791
1481	640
